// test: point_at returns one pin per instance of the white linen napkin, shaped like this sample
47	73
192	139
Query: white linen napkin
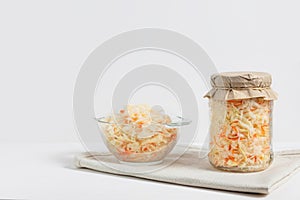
191	170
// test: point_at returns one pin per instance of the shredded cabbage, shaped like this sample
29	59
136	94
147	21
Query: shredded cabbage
241	134
139	133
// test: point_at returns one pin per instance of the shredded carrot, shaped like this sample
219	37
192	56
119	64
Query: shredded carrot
243	139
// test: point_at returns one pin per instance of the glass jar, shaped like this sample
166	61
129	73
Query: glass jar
241	105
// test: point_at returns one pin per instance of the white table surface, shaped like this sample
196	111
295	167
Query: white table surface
46	171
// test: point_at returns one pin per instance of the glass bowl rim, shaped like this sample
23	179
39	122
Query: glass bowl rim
181	121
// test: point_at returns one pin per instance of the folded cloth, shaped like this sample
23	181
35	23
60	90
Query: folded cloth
191	170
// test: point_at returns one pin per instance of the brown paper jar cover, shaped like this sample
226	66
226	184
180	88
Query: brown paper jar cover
241	85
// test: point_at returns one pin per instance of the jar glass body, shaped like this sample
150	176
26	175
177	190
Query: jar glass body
241	134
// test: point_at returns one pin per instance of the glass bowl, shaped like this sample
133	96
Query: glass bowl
135	145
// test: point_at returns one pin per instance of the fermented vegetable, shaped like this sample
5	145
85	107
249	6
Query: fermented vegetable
139	133
240	134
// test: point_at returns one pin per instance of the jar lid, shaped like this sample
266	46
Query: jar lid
241	85
241	80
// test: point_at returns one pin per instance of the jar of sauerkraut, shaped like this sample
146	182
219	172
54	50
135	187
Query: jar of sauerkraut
241	105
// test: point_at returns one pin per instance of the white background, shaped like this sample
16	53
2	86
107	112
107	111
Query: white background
44	43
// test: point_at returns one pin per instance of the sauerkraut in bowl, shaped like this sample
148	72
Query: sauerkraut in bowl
140	133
